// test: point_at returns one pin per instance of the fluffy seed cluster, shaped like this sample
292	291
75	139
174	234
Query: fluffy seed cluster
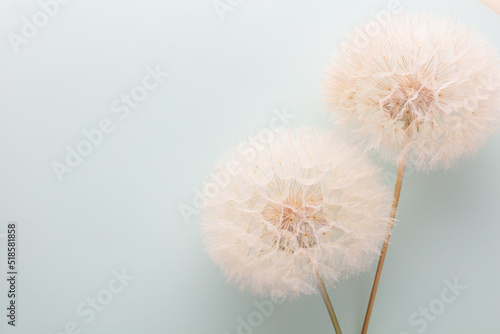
297	202
417	84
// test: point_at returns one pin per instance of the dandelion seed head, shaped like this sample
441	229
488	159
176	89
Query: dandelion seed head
421	84
303	202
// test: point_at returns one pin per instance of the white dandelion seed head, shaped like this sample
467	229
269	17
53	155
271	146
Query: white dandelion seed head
419	84
302	202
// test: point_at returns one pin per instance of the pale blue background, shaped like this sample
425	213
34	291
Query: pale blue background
120	207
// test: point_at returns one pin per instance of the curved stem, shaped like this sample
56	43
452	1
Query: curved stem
328	303
395	202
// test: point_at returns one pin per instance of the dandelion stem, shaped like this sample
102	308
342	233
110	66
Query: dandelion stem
395	202
328	303
495	5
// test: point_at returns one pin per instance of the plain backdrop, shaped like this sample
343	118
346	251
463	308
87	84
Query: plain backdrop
119	209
